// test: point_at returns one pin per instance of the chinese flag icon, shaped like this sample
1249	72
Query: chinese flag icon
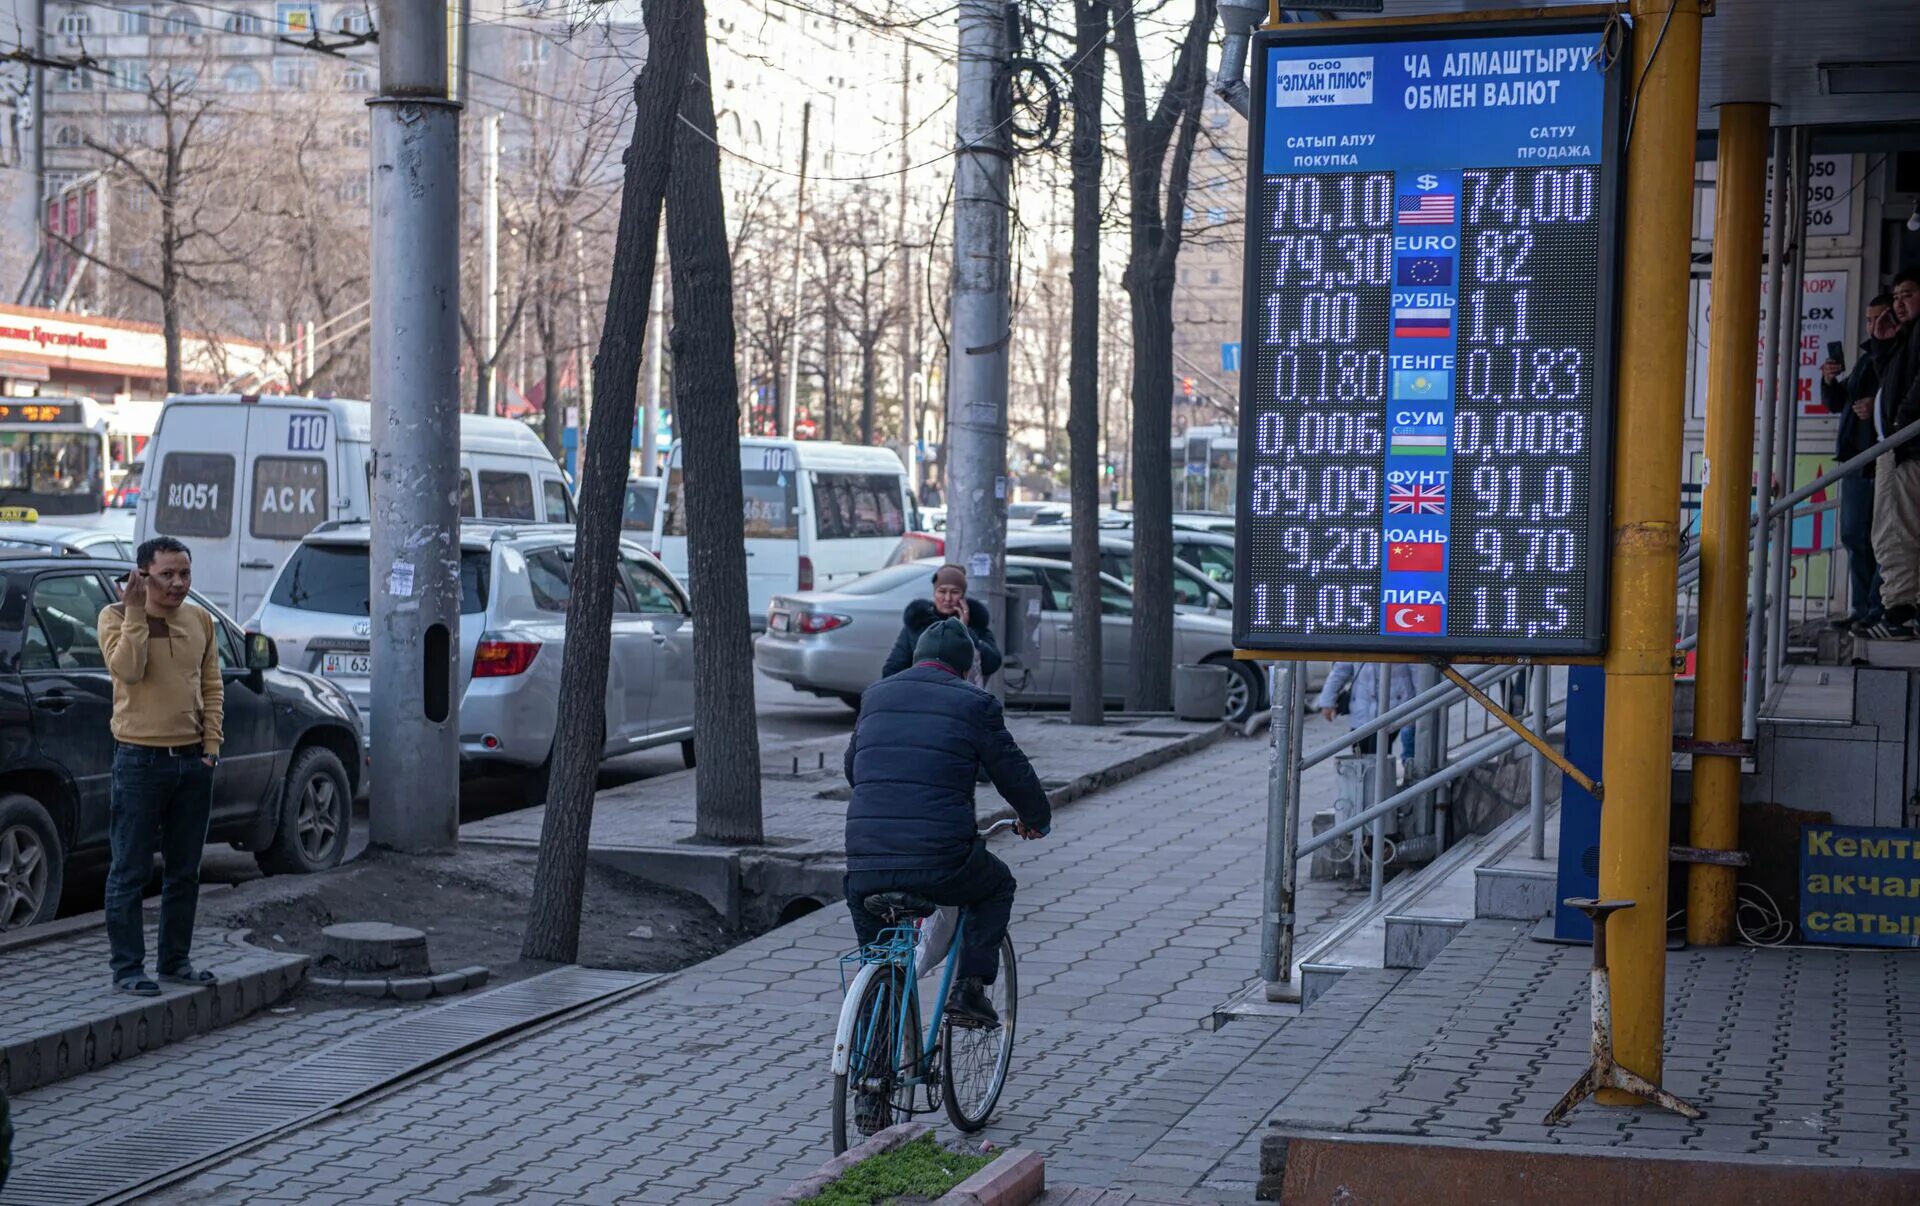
1420	557
1413	617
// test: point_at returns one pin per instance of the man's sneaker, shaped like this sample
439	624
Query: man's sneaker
1843	624
969	1005
1901	616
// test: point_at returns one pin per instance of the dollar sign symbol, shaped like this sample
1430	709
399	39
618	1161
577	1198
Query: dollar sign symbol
1428	182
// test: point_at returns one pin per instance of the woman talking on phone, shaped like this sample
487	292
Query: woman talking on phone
949	602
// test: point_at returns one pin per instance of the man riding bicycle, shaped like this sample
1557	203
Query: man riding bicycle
921	737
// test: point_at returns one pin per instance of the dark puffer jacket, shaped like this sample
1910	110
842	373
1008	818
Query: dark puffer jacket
920	614
921	736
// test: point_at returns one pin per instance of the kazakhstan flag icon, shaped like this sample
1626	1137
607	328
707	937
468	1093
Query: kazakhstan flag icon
1422	385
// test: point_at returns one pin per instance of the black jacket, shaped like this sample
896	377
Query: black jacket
1898	362
1838	396
920	614
921	737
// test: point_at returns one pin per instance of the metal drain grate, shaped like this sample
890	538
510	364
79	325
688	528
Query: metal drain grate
102	1169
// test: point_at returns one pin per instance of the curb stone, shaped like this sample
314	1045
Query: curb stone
885	1141
142	1024
1015	1179
405	988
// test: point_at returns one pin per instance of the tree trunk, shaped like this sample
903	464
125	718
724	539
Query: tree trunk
868	350
553	918
1153	249
1083	373
727	779
553	417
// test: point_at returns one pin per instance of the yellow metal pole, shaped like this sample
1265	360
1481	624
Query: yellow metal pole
1740	199
1664	97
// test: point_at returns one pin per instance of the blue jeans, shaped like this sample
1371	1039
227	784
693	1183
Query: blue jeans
1856	535
982	888
159	800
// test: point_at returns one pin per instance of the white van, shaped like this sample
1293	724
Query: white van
817	514
241	478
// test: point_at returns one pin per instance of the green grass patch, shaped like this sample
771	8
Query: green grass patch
921	1169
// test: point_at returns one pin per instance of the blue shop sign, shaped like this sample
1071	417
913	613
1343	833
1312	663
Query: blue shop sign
1860	886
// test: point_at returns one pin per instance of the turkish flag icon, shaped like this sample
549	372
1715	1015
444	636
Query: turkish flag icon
1418	557
1413	617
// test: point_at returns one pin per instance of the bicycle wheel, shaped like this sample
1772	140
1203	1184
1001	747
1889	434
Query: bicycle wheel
876	1090
975	1059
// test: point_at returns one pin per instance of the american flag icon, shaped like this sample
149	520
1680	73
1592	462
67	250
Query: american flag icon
1427	209
1416	500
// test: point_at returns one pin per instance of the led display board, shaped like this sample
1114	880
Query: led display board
1427	394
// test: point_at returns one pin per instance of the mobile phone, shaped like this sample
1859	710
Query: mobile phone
1836	350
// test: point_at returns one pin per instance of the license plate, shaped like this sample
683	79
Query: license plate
346	665
779	621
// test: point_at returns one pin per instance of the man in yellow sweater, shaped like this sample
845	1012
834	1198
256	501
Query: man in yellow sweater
164	656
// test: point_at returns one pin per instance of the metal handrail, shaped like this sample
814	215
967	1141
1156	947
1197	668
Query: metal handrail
1491	746
1441	695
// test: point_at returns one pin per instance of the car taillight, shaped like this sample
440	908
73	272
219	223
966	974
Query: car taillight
810	622
806	573
503	659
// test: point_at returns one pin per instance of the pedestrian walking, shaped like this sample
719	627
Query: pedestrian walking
164	657
949	602
1849	394
1896	476
1360	680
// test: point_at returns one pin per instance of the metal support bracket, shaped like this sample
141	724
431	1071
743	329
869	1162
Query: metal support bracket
1716	858
1604	1072
1714	749
1538	741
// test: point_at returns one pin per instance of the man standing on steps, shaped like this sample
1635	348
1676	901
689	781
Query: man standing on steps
167	711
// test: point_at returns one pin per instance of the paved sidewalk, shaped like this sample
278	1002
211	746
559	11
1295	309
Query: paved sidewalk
60	1014
804	786
1134	921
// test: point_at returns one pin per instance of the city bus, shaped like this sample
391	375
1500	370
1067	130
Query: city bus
54	455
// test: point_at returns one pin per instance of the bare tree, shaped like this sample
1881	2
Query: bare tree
553	917
727	778
179	157
1159	147
1088	76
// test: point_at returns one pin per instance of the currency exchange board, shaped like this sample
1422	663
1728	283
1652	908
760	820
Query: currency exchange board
1427	394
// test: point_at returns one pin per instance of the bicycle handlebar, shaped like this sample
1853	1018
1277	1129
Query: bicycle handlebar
996	827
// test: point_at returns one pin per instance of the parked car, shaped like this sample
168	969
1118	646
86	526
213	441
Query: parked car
287	775
22	530
1193	590
515	584
818	513
641	509
833	643
241	478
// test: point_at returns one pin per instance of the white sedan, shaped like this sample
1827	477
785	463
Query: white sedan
834	642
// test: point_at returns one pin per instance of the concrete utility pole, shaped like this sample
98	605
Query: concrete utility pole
415	375
490	256
790	389
653	370
909	368
977	386
586	351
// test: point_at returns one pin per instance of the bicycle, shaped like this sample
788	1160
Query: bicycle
880	1056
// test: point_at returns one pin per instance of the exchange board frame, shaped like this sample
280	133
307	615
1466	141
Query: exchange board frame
1590	639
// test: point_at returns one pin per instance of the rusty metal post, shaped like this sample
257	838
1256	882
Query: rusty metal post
1638	763
1605	1074
1740	201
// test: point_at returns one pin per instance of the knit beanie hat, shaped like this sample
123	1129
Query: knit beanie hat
948	643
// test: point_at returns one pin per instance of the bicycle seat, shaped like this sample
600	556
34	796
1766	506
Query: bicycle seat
896	907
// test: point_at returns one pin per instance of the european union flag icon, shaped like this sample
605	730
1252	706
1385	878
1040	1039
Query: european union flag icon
1422	385
1423	271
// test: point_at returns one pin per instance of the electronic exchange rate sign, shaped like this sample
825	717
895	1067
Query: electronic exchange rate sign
1426	415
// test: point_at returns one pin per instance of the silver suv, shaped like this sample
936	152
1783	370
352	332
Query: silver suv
515	581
